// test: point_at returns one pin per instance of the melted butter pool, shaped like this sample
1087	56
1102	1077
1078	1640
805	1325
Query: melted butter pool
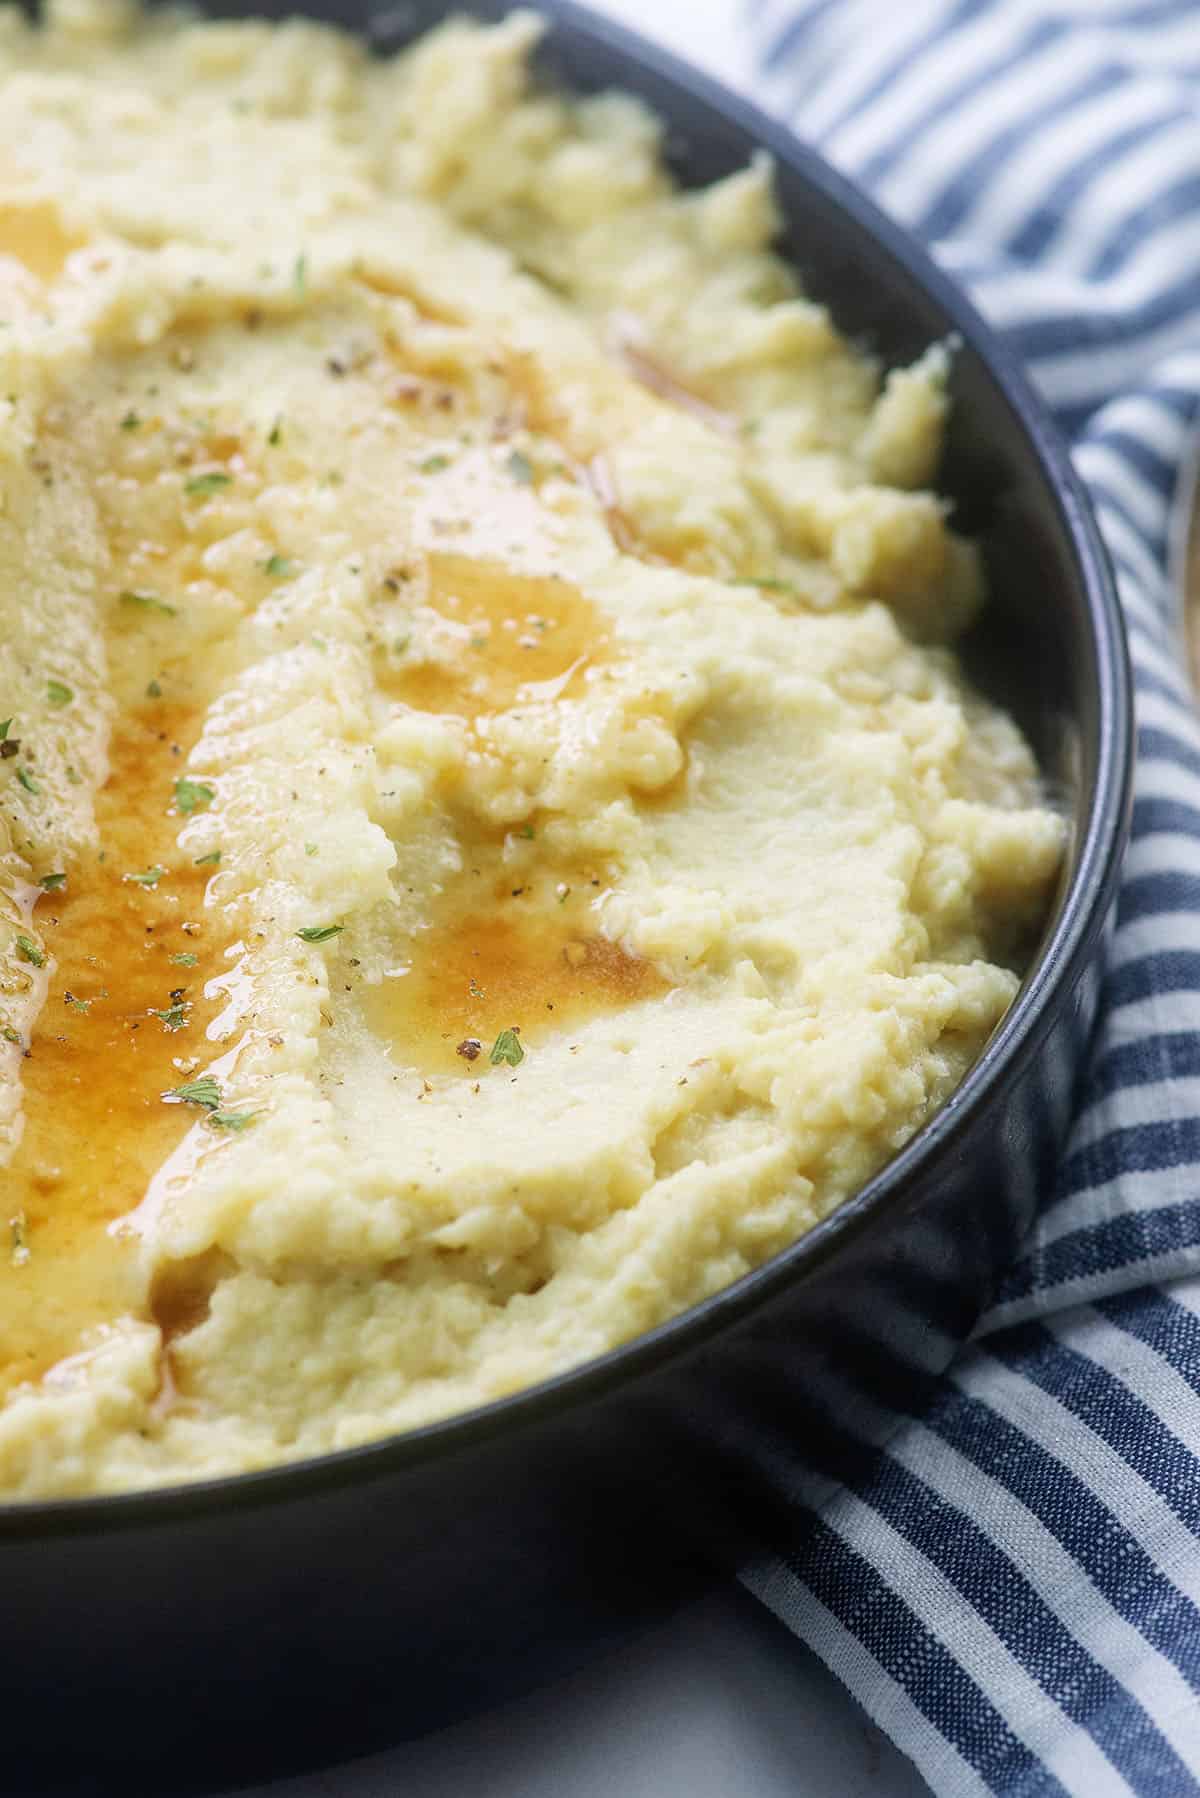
497	639
508	953
32	232
96	1125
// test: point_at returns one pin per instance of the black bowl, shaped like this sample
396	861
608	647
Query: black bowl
233	1628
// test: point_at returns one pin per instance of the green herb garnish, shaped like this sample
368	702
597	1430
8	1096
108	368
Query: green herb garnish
204	1091
173	1018
300	273
58	693
319	933
149	877
766	583
278	566
83	1005
507	1048
27	781
520	467
130	422
10	1035
310	848
231	1120
193	796
5	727
153	691
28	950
19	1231
434	464
207	861
52	883
275	434
211	482
149	602
185	959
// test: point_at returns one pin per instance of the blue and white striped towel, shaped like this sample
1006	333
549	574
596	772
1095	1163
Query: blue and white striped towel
1013	1590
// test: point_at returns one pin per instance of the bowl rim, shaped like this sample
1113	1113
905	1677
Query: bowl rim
1082	912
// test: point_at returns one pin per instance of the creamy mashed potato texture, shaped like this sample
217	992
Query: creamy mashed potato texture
494	840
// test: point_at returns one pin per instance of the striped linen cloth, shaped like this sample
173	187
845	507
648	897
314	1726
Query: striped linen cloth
1012	1590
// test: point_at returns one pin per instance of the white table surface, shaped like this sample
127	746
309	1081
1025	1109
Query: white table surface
721	1701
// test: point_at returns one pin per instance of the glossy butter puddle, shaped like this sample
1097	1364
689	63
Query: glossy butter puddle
515	954
96	1126
499	639
32	233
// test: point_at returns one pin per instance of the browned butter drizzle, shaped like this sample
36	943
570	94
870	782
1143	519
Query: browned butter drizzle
96	1126
508	956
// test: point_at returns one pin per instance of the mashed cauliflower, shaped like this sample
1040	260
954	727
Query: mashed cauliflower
494	842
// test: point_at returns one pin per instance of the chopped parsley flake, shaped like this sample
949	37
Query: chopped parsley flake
434	464
212	482
130	422
520	467
149	602
185	959
275	434
278	566
204	1091
310	848
173	1018
5	727
150	877
27	781
300	273
319	933
527	832
153	691
83	1005
28	950
507	1048
766	583
19	1232
52	883
58	693
193	796
231	1120
207	861
10	1035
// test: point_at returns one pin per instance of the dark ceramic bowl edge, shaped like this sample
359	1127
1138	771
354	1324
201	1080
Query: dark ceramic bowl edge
1064	956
